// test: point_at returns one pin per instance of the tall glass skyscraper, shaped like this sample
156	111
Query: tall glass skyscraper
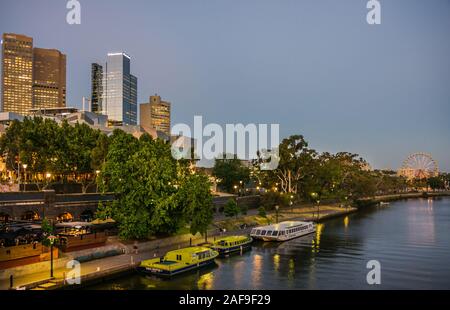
96	87
119	99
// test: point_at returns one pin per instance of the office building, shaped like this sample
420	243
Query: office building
96	88
49	78
31	77
17	73
119	90
155	115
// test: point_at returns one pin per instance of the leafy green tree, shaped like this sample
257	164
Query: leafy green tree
155	194
231	209
436	183
270	199
230	172
262	212
196	198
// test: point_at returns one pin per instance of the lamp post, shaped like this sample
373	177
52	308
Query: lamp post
51	239
25	177
276	212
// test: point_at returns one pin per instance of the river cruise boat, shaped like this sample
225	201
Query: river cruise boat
232	244
179	261
283	231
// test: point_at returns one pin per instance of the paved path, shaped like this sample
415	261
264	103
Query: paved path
100	267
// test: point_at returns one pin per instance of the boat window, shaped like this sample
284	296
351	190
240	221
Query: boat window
178	257
263	233
269	233
275	233
258	232
253	232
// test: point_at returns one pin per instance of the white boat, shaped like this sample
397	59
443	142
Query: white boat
283	231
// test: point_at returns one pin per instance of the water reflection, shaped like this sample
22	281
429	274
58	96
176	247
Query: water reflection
410	238
256	271
206	281
421	223
346	221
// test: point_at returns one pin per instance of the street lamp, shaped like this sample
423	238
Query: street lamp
51	239
276	212
25	175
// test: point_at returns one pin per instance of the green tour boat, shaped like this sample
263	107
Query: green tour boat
232	244
179	261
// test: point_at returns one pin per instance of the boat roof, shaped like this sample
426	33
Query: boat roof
190	250
283	225
231	238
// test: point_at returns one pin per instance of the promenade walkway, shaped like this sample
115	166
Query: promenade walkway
112	265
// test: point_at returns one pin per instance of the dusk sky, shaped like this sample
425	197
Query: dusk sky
315	67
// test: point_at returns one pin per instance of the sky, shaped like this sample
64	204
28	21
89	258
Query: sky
315	67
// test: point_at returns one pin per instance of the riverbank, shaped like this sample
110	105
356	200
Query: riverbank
133	253
33	277
393	197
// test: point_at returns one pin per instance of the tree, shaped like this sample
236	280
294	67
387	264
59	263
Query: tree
271	199
48	147
156	194
231	209
230	172
262	212
195	195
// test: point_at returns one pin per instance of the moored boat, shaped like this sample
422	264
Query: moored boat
179	261
283	231
232	244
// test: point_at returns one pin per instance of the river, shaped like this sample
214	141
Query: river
409	238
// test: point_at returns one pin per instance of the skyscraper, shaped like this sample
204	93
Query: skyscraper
49	78
155	114
119	100
96	87
17	73
31	78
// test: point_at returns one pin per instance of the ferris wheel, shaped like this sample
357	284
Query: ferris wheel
419	166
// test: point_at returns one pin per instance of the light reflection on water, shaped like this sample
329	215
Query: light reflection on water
410	238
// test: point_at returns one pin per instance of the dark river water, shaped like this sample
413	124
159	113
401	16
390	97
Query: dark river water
409	238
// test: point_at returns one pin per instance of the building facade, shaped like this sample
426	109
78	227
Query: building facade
96	88
31	77
49	78
156	114
119	90
17	73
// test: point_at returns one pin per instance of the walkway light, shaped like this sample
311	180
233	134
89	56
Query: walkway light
52	240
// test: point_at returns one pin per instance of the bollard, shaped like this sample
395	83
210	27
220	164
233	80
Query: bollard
11	281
